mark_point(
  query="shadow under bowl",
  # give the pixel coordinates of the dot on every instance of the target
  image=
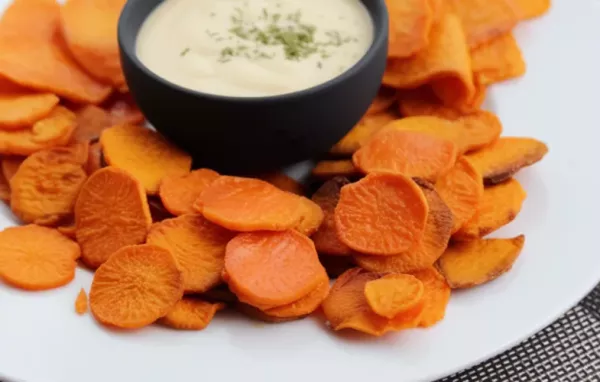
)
(238, 135)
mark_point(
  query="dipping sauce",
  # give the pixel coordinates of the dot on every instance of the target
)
(254, 48)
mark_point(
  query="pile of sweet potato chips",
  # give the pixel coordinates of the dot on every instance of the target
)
(403, 205)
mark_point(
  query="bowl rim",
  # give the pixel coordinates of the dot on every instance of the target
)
(380, 38)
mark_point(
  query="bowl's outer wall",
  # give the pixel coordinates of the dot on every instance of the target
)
(240, 136)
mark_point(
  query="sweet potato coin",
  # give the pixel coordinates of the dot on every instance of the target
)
(382, 214)
(198, 247)
(327, 197)
(405, 152)
(498, 60)
(433, 243)
(483, 20)
(461, 189)
(81, 303)
(179, 192)
(10, 165)
(36, 258)
(410, 22)
(305, 305)
(482, 129)
(111, 212)
(143, 153)
(393, 294)
(46, 185)
(468, 264)
(89, 28)
(50, 131)
(434, 126)
(368, 126)
(245, 204)
(136, 286)
(506, 156)
(272, 268)
(191, 314)
(436, 295)
(91, 121)
(21, 108)
(25, 47)
(499, 206)
(327, 169)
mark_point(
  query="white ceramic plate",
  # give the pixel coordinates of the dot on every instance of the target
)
(558, 101)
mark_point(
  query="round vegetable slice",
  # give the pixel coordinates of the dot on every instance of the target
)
(393, 294)
(179, 192)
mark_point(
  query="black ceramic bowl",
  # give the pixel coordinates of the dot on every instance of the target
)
(242, 135)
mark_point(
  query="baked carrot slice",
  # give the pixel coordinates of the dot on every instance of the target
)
(381, 214)
(191, 314)
(393, 294)
(245, 204)
(326, 239)
(409, 153)
(179, 192)
(36, 258)
(272, 268)
(136, 286)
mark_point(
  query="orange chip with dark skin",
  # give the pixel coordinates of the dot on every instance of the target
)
(191, 314)
(81, 303)
(368, 126)
(24, 47)
(326, 239)
(468, 264)
(144, 153)
(21, 108)
(393, 294)
(272, 268)
(36, 258)
(135, 287)
(198, 247)
(498, 60)
(179, 192)
(432, 245)
(91, 121)
(436, 295)
(528, 9)
(410, 22)
(327, 169)
(245, 204)
(10, 165)
(405, 152)
(111, 212)
(381, 214)
(506, 156)
(484, 20)
(89, 28)
(499, 206)
(47, 184)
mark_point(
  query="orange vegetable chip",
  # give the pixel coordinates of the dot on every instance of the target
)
(410, 22)
(346, 307)
(179, 192)
(20, 107)
(136, 286)
(312, 217)
(434, 242)
(46, 185)
(198, 247)
(436, 295)
(368, 126)
(284, 182)
(327, 197)
(336, 265)
(393, 294)
(384, 99)
(191, 314)
(94, 160)
(465, 265)
(36, 258)
(445, 64)
(29, 35)
(81, 303)
(272, 268)
(53, 130)
(91, 121)
(506, 156)
(143, 153)
(434, 126)
(90, 31)
(4, 188)
(409, 153)
(499, 206)
(482, 129)
(382, 214)
(498, 60)
(111, 212)
(461, 189)
(305, 305)
(483, 20)
(327, 169)
(528, 9)
(10, 165)
(245, 204)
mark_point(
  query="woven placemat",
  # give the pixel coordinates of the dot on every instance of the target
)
(566, 351)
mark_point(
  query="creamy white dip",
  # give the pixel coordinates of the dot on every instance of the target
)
(254, 48)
